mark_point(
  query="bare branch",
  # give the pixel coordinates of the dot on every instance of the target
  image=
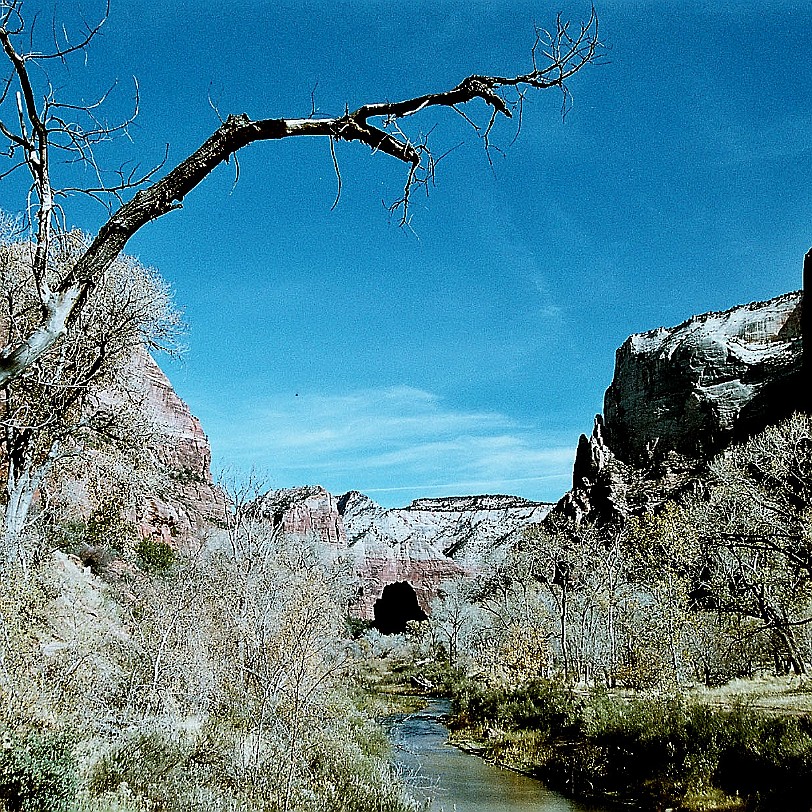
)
(565, 53)
(61, 53)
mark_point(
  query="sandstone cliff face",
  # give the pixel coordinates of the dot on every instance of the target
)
(679, 396)
(191, 500)
(424, 544)
(307, 512)
(696, 387)
(471, 528)
(182, 499)
(430, 541)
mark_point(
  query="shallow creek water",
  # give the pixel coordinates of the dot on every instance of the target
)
(449, 780)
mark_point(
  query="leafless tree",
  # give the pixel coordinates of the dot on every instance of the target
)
(37, 126)
(754, 526)
(82, 395)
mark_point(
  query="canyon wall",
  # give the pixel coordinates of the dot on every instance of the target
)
(679, 396)
(711, 380)
(424, 544)
(189, 501)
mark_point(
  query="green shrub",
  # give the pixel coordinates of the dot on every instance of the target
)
(158, 769)
(38, 772)
(652, 753)
(768, 760)
(349, 771)
(154, 555)
(104, 536)
(357, 626)
(541, 705)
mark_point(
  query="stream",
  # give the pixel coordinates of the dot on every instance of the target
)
(450, 780)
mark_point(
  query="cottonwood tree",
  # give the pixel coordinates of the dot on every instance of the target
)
(727, 572)
(39, 129)
(515, 638)
(453, 619)
(754, 526)
(83, 395)
(664, 556)
(559, 560)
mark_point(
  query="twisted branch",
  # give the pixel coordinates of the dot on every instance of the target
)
(375, 125)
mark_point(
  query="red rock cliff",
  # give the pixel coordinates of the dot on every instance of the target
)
(191, 500)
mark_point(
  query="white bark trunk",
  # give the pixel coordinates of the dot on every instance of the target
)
(16, 359)
(22, 482)
(20, 492)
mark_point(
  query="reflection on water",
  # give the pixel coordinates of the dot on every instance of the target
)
(449, 780)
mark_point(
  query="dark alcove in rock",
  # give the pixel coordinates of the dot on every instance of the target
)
(396, 607)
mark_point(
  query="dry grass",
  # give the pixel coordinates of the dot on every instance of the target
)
(780, 695)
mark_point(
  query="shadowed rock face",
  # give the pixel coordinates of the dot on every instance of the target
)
(713, 379)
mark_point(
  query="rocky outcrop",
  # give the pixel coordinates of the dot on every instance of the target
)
(191, 500)
(711, 380)
(606, 489)
(424, 544)
(679, 396)
(306, 512)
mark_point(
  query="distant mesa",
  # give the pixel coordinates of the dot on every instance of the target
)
(423, 545)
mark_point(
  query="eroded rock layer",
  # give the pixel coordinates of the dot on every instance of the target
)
(309, 511)
(191, 500)
(425, 544)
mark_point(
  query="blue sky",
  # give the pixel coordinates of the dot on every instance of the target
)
(332, 347)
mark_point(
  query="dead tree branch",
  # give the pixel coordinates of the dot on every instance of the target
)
(377, 125)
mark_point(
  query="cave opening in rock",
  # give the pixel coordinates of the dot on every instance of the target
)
(396, 607)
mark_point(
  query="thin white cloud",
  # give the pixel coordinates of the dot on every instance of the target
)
(393, 440)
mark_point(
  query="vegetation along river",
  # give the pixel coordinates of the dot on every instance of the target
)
(450, 780)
